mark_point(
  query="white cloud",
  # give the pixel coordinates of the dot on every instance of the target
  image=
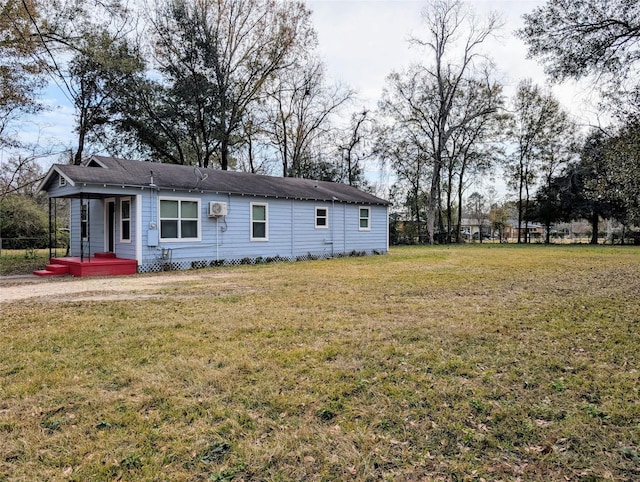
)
(363, 41)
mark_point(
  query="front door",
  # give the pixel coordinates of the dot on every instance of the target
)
(110, 226)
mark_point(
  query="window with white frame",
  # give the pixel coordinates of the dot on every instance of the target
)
(259, 222)
(322, 218)
(364, 219)
(125, 220)
(62, 181)
(179, 219)
(84, 220)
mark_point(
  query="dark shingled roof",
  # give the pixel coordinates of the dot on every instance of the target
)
(118, 172)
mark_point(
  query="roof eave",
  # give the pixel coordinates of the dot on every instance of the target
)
(53, 170)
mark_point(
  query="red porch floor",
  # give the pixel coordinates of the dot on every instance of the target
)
(101, 264)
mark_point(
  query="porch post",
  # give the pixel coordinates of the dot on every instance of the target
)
(80, 230)
(55, 226)
(50, 246)
(89, 225)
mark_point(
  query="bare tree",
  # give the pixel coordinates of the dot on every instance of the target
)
(542, 135)
(472, 149)
(403, 140)
(450, 29)
(300, 105)
(353, 151)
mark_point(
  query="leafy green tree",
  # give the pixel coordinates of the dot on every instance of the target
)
(623, 160)
(23, 223)
(72, 42)
(22, 214)
(21, 77)
(215, 60)
(499, 218)
(585, 189)
(554, 202)
(580, 38)
(100, 75)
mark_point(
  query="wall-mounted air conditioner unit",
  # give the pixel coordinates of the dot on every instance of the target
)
(217, 209)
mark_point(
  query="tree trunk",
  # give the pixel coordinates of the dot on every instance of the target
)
(547, 239)
(82, 132)
(416, 206)
(520, 188)
(458, 237)
(594, 227)
(433, 202)
(526, 213)
(224, 155)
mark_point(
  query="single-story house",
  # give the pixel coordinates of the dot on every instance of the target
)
(167, 216)
(530, 231)
(476, 228)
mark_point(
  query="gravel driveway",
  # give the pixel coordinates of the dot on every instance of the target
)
(56, 289)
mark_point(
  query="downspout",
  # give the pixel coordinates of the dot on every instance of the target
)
(387, 210)
(293, 229)
(333, 213)
(139, 200)
(344, 228)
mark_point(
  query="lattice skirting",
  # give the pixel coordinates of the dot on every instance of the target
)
(172, 265)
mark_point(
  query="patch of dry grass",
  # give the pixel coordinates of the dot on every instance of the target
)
(447, 363)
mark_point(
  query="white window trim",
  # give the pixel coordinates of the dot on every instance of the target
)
(326, 217)
(62, 181)
(266, 221)
(368, 228)
(199, 219)
(122, 219)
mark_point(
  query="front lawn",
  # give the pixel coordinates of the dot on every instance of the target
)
(483, 362)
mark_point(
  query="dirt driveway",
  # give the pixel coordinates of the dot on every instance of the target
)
(18, 288)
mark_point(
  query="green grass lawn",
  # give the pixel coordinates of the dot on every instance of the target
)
(445, 363)
(22, 261)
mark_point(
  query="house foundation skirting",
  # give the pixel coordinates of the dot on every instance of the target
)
(173, 265)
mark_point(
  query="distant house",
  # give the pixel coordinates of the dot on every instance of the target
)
(529, 231)
(476, 228)
(167, 216)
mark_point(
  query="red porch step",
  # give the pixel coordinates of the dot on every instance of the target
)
(100, 264)
(106, 255)
(53, 270)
